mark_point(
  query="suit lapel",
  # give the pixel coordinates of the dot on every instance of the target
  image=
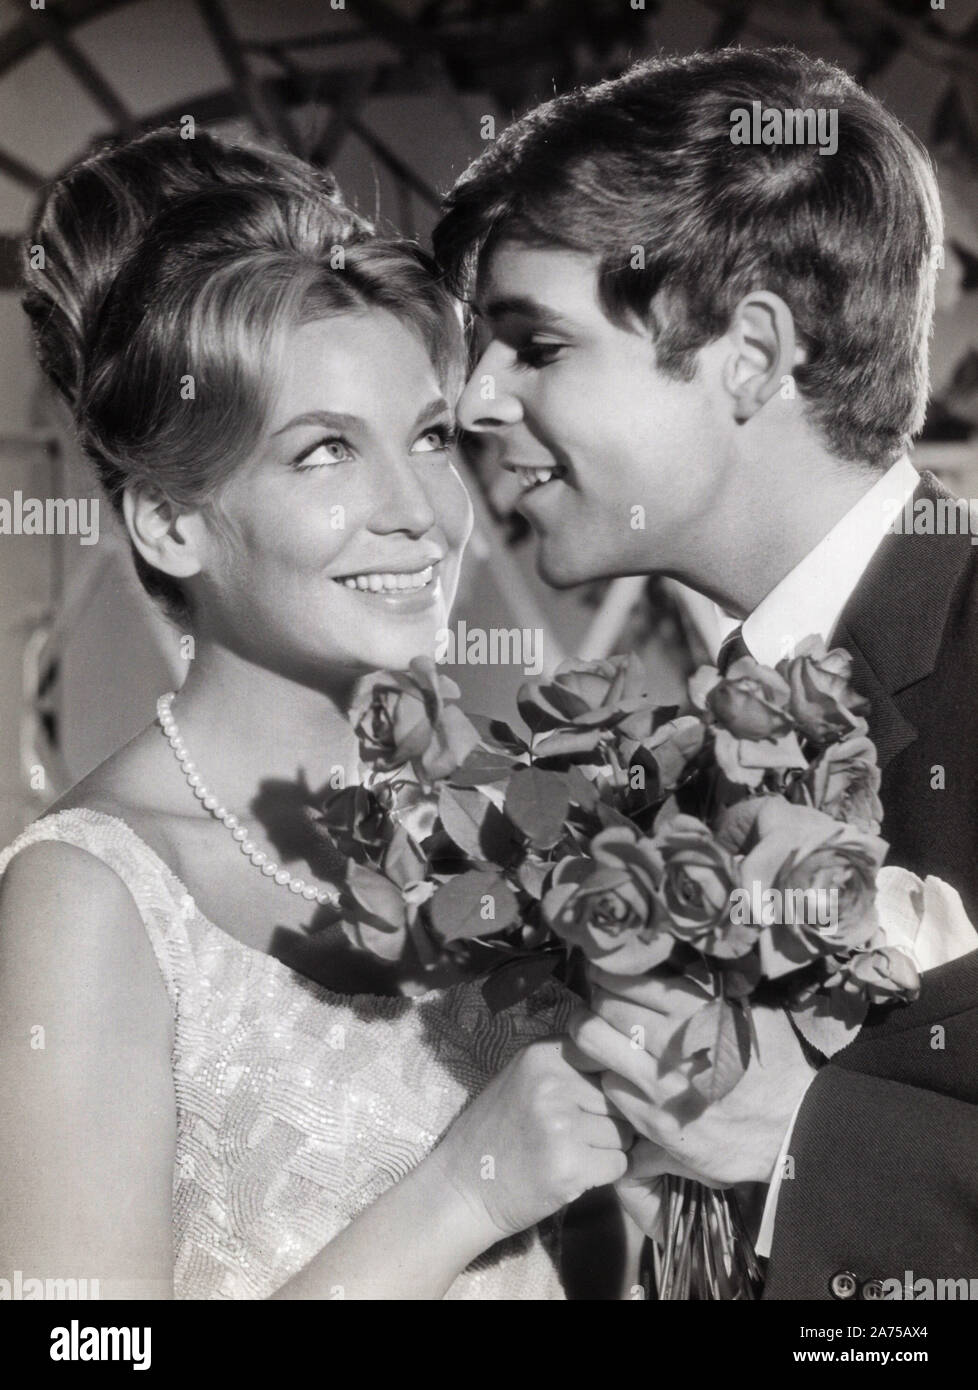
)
(894, 622)
(888, 728)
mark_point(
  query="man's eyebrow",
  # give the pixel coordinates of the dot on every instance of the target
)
(339, 420)
(523, 306)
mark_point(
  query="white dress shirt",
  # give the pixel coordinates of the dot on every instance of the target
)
(810, 599)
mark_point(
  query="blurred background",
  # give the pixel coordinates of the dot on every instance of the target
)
(392, 95)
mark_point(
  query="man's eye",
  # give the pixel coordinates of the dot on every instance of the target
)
(324, 451)
(538, 354)
(436, 440)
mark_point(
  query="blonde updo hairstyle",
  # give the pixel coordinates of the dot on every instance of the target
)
(168, 259)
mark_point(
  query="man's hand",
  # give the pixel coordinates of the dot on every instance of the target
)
(640, 1190)
(736, 1139)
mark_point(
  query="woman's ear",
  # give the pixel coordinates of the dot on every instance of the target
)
(168, 539)
(764, 352)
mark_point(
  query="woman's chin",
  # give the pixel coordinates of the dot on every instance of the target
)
(395, 643)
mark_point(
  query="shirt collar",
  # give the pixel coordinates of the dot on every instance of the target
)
(811, 597)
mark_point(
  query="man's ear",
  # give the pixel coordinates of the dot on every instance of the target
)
(168, 539)
(763, 351)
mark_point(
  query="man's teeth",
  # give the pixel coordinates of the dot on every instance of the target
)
(388, 583)
(532, 477)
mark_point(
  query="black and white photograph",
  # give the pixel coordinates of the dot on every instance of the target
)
(489, 620)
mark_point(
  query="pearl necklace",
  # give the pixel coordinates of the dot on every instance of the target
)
(239, 833)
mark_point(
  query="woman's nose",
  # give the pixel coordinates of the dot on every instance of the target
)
(488, 402)
(403, 503)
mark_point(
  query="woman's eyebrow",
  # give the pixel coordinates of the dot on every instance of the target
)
(432, 411)
(329, 419)
(339, 420)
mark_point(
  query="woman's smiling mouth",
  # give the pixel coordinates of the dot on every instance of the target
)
(389, 581)
(403, 591)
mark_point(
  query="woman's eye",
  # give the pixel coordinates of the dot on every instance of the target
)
(436, 440)
(537, 355)
(333, 450)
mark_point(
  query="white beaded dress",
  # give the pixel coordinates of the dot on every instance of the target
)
(298, 1107)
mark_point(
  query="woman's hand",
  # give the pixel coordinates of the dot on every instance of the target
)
(539, 1135)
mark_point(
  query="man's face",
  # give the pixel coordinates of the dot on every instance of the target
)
(624, 460)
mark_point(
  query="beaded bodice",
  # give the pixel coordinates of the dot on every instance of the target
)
(298, 1107)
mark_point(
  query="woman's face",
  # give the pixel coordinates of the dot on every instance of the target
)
(341, 537)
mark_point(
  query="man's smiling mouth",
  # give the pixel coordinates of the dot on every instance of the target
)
(531, 476)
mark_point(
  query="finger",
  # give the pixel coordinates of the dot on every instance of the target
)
(647, 1160)
(579, 1060)
(605, 1166)
(642, 1027)
(662, 1128)
(661, 991)
(648, 1163)
(599, 1041)
(644, 1205)
(589, 1097)
(607, 1132)
(641, 1107)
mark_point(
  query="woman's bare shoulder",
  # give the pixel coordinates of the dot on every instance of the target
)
(73, 942)
(46, 875)
(68, 910)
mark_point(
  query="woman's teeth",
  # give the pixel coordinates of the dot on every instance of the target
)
(534, 477)
(388, 583)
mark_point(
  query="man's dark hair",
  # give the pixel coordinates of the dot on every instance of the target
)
(850, 240)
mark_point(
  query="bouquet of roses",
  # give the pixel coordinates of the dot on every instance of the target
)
(738, 844)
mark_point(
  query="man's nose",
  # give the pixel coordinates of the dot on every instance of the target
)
(488, 401)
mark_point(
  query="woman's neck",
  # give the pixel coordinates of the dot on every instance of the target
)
(248, 728)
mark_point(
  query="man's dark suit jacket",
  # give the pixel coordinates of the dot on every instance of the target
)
(885, 1146)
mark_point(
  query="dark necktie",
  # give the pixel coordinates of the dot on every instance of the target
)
(732, 648)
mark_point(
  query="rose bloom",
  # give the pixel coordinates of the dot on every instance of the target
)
(796, 848)
(845, 782)
(698, 875)
(408, 721)
(606, 904)
(670, 749)
(822, 700)
(883, 974)
(586, 699)
(747, 761)
(750, 702)
(359, 815)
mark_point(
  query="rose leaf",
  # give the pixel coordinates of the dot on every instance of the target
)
(475, 824)
(537, 803)
(476, 903)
